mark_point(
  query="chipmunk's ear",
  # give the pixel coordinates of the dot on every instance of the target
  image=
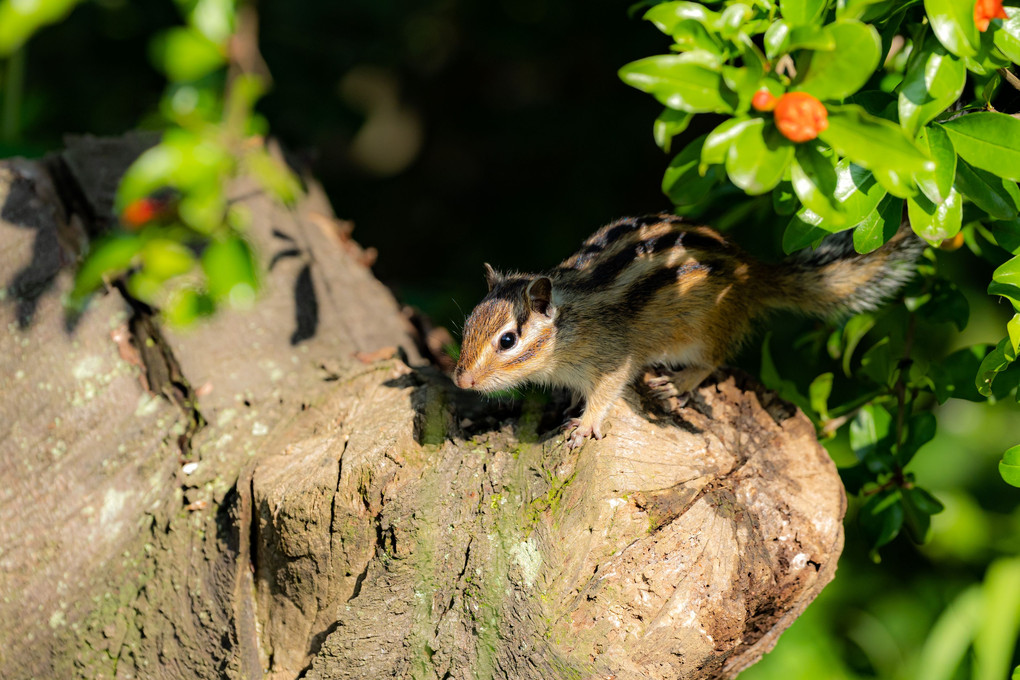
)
(540, 295)
(492, 277)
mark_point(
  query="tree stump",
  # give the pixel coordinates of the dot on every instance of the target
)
(269, 494)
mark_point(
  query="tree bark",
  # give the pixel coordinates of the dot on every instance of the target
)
(352, 514)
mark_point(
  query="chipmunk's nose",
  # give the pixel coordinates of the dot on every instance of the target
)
(462, 379)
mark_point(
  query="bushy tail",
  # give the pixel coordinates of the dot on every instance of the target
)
(835, 281)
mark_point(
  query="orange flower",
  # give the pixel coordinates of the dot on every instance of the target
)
(800, 117)
(985, 11)
(763, 100)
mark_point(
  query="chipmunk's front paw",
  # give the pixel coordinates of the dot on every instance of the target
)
(580, 433)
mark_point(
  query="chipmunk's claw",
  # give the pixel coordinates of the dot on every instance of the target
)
(580, 433)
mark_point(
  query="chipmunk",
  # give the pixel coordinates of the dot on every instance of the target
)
(656, 290)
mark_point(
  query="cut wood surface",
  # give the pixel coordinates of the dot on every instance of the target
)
(295, 491)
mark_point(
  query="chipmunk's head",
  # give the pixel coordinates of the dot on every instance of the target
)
(509, 336)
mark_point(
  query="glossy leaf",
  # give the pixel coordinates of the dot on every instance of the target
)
(814, 181)
(1009, 466)
(938, 182)
(877, 145)
(1006, 281)
(683, 183)
(758, 157)
(997, 361)
(935, 222)
(801, 12)
(917, 511)
(668, 125)
(988, 140)
(953, 23)
(880, 225)
(1007, 36)
(934, 80)
(718, 142)
(668, 15)
(842, 71)
(686, 82)
(802, 231)
(998, 197)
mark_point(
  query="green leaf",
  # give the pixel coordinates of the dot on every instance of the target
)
(935, 222)
(163, 259)
(758, 157)
(998, 197)
(668, 15)
(1013, 333)
(870, 432)
(997, 361)
(988, 140)
(230, 272)
(19, 20)
(109, 256)
(814, 181)
(1006, 235)
(878, 363)
(668, 125)
(937, 183)
(877, 145)
(183, 160)
(802, 231)
(718, 142)
(801, 12)
(1007, 36)
(954, 375)
(880, 519)
(853, 332)
(818, 394)
(859, 9)
(1006, 281)
(880, 225)
(920, 431)
(840, 72)
(917, 504)
(184, 54)
(784, 200)
(934, 80)
(953, 23)
(686, 82)
(683, 183)
(1009, 466)
(777, 39)
(187, 306)
(946, 304)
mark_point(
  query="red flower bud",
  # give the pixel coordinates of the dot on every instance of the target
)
(763, 100)
(985, 11)
(800, 117)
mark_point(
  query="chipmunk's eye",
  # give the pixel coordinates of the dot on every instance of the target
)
(507, 340)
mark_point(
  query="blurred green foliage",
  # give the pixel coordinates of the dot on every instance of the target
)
(498, 132)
